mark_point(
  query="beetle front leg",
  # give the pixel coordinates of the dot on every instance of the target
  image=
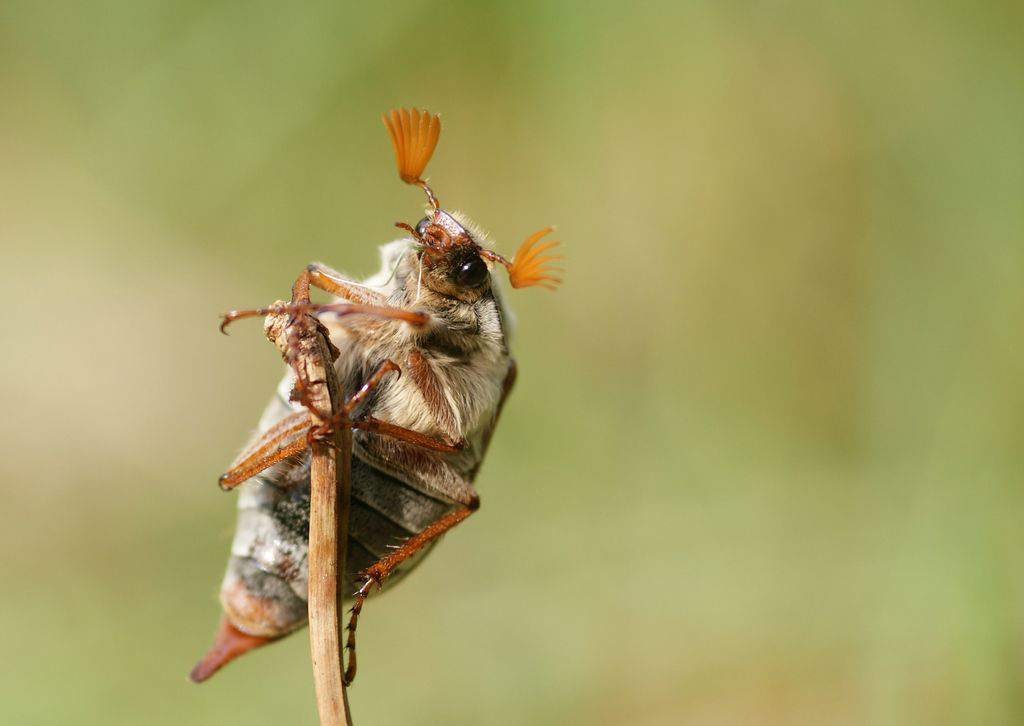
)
(329, 280)
(341, 309)
(361, 300)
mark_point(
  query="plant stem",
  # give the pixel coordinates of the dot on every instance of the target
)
(328, 534)
(330, 486)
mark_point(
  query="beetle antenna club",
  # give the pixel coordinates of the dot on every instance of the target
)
(414, 136)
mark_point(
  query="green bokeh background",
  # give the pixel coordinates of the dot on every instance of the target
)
(763, 462)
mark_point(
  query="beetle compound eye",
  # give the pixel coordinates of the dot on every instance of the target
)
(421, 226)
(471, 273)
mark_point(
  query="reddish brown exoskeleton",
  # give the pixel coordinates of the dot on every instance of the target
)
(424, 366)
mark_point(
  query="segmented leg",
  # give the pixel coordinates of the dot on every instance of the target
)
(308, 308)
(362, 299)
(369, 423)
(376, 573)
(329, 280)
(367, 388)
(290, 436)
(283, 439)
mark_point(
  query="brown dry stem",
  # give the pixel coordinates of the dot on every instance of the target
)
(310, 355)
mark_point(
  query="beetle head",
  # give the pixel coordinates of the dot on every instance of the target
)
(451, 258)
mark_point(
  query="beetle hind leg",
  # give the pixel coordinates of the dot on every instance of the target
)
(374, 575)
(287, 438)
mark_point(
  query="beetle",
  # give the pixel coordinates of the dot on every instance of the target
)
(422, 358)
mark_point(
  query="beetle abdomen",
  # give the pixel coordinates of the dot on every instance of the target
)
(266, 584)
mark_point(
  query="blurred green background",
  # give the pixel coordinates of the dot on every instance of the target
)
(763, 463)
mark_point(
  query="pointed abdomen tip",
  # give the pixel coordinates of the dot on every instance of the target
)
(228, 644)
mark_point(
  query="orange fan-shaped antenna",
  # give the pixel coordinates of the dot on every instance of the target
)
(414, 136)
(531, 266)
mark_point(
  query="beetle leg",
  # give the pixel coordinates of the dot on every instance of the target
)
(362, 300)
(376, 572)
(299, 308)
(369, 423)
(329, 280)
(286, 439)
(283, 439)
(357, 398)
